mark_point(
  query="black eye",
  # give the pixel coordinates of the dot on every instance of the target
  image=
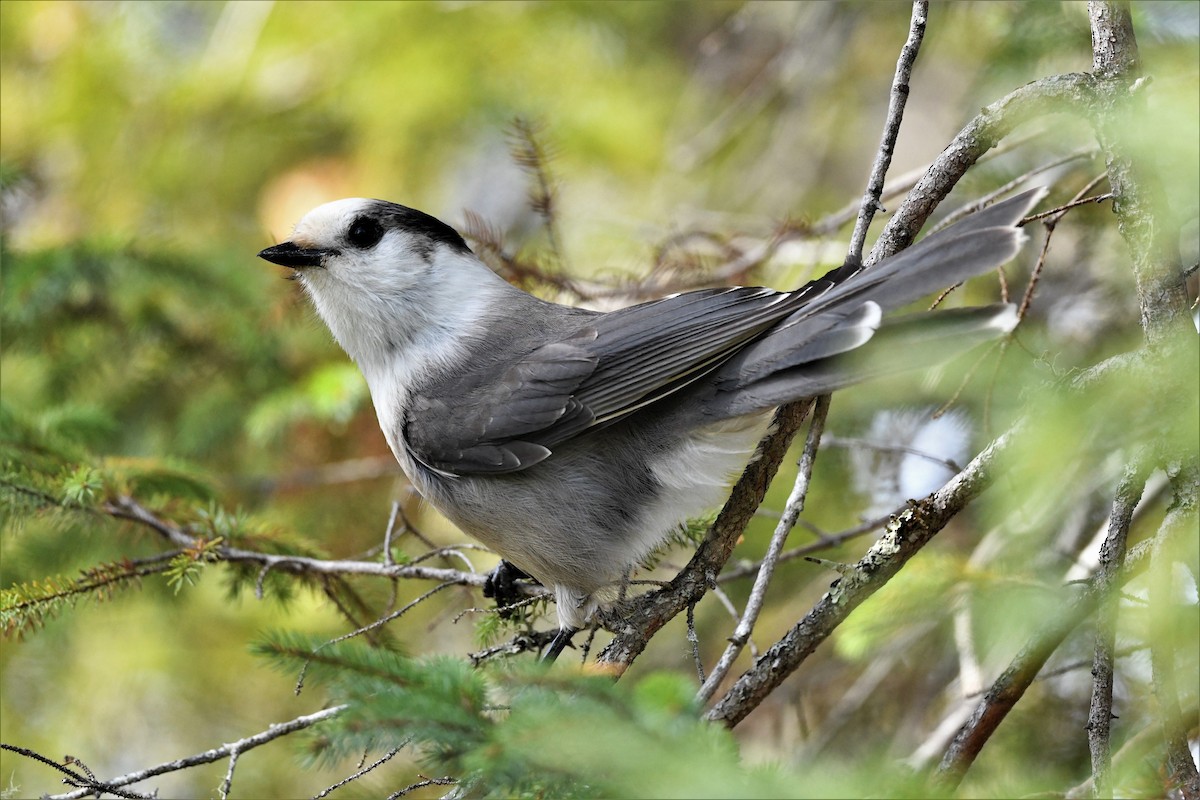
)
(364, 233)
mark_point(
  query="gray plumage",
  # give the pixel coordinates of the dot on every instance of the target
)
(571, 441)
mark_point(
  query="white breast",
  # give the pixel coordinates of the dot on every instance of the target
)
(696, 478)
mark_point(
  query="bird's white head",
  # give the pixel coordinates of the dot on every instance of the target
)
(385, 277)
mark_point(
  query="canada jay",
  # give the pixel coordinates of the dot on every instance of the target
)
(573, 442)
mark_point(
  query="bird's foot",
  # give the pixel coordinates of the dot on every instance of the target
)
(501, 585)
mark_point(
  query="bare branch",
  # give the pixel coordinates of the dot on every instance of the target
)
(1006, 690)
(905, 536)
(1079, 201)
(533, 641)
(891, 129)
(1114, 49)
(385, 619)
(389, 531)
(636, 620)
(208, 756)
(1143, 216)
(130, 509)
(758, 593)
(824, 542)
(1112, 556)
(999, 192)
(421, 784)
(88, 781)
(1072, 93)
(887, 447)
(388, 756)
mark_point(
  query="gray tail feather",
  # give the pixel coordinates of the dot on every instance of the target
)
(985, 239)
(841, 318)
(902, 343)
(791, 343)
(810, 352)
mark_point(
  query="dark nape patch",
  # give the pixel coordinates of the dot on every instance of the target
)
(394, 215)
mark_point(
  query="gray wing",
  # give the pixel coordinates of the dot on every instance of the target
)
(606, 368)
(603, 367)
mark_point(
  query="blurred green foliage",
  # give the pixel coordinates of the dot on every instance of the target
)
(149, 150)
(520, 731)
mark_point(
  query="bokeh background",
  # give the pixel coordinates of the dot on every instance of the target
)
(148, 150)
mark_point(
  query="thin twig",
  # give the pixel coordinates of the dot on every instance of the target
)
(1047, 674)
(447, 781)
(891, 129)
(379, 623)
(987, 199)
(908, 532)
(209, 756)
(795, 504)
(130, 509)
(454, 550)
(360, 772)
(1023, 309)
(825, 542)
(1078, 201)
(89, 782)
(389, 617)
(1050, 221)
(726, 603)
(883, 447)
(227, 783)
(694, 640)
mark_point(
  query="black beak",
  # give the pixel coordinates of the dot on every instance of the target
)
(290, 254)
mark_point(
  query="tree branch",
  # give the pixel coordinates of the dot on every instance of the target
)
(359, 772)
(207, 757)
(1012, 683)
(870, 203)
(128, 508)
(636, 620)
(1107, 579)
(1138, 202)
(891, 130)
(1073, 93)
(824, 541)
(93, 786)
(758, 593)
(1140, 751)
(906, 535)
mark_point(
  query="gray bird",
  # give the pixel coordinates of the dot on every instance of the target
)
(573, 442)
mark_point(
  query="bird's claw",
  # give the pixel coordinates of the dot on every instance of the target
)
(501, 585)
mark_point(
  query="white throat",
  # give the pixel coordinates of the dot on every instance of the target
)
(401, 331)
